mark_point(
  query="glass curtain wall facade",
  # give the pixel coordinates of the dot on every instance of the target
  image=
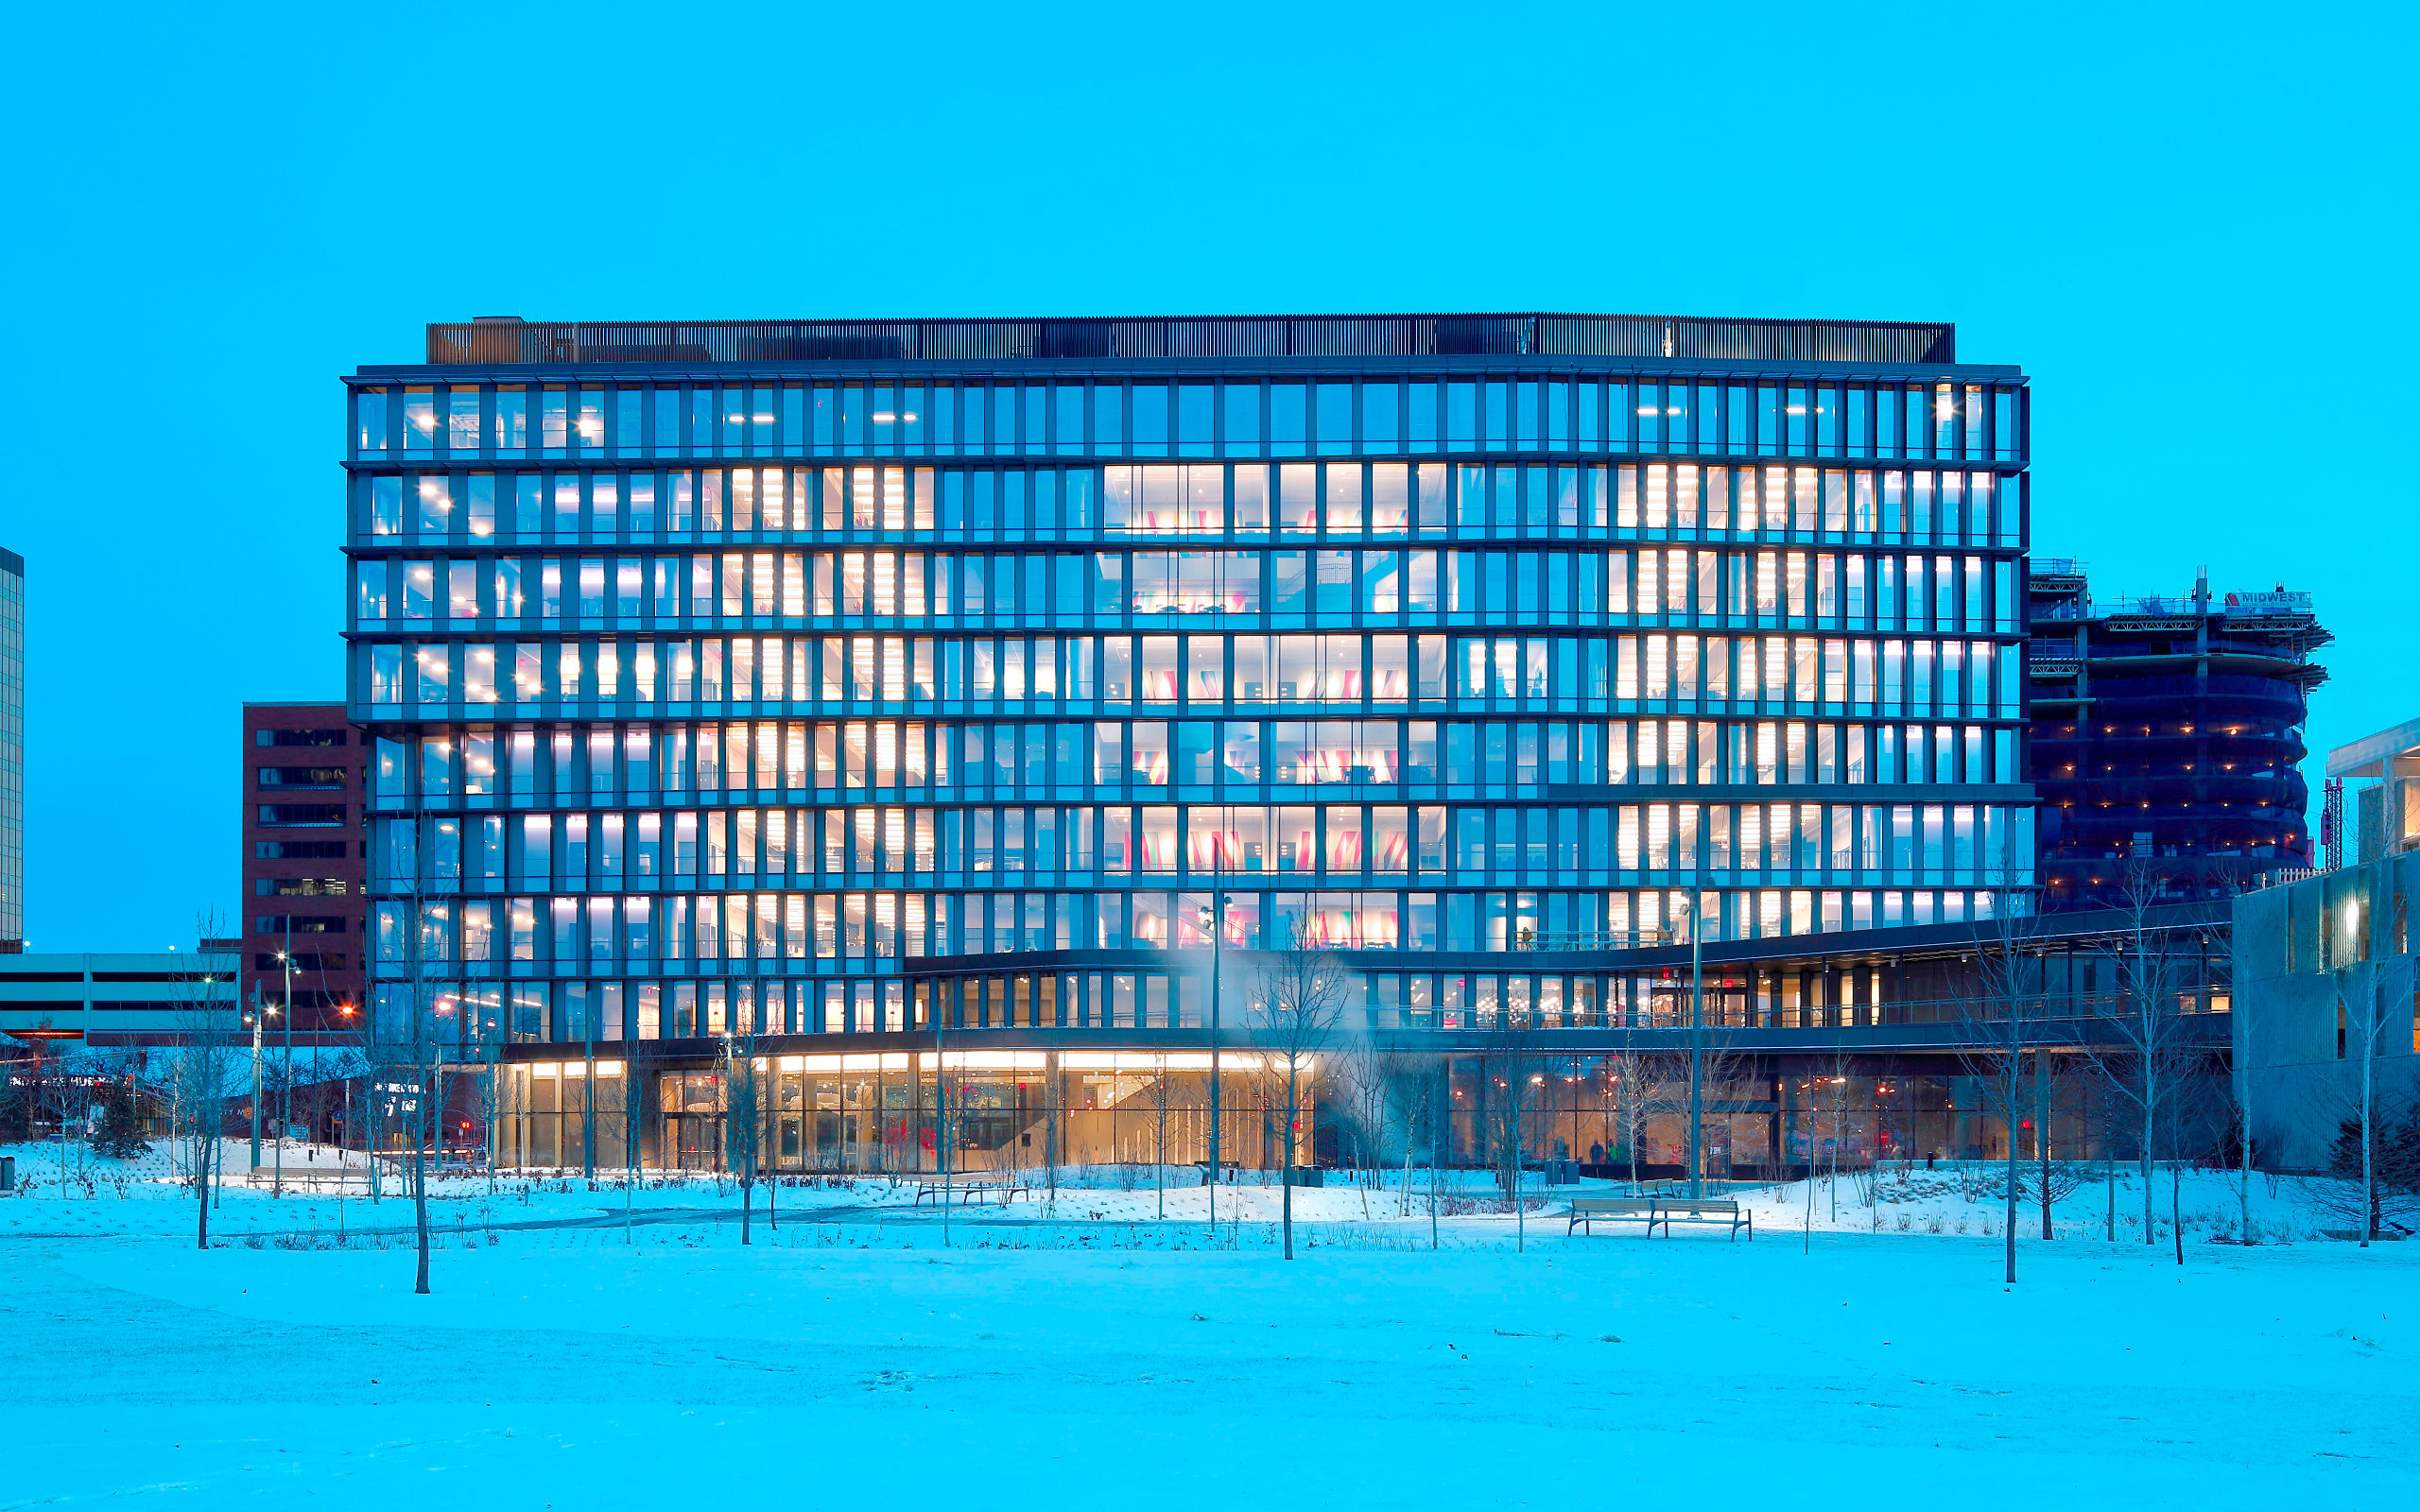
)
(837, 698)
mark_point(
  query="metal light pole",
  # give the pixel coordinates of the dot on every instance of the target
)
(588, 1099)
(285, 1095)
(256, 1075)
(940, 1100)
(1216, 912)
(1697, 1059)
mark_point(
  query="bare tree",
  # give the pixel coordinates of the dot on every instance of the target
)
(1836, 1092)
(204, 1070)
(1424, 1096)
(1051, 1153)
(1999, 1021)
(2146, 1054)
(1363, 1074)
(743, 1120)
(1300, 994)
(53, 1092)
(408, 1042)
(488, 1090)
(1409, 1097)
(2053, 1181)
(1648, 1085)
(633, 1127)
(945, 1129)
(2239, 1107)
(2104, 1111)
(1159, 1130)
(2042, 1132)
(1721, 1067)
(1513, 1065)
(2372, 996)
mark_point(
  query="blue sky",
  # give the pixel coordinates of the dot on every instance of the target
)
(2192, 225)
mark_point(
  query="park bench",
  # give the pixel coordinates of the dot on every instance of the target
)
(1587, 1210)
(965, 1192)
(310, 1179)
(1722, 1212)
(1229, 1171)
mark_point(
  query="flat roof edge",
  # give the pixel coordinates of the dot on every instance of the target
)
(2351, 759)
(494, 340)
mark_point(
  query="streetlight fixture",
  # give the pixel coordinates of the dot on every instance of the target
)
(344, 1010)
(285, 1095)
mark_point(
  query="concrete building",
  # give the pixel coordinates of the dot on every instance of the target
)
(2380, 775)
(2325, 968)
(118, 1001)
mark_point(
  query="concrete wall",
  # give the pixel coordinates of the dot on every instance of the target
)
(2299, 949)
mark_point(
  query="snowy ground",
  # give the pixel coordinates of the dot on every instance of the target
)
(850, 1355)
(96, 1197)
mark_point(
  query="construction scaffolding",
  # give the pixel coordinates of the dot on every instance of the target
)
(2166, 738)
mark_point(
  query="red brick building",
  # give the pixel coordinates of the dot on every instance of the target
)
(304, 863)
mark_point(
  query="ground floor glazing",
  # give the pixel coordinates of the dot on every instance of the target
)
(1005, 1111)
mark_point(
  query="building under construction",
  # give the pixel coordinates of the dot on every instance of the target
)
(2166, 738)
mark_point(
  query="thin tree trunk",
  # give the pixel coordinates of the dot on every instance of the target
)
(1370, 1163)
(201, 1185)
(1630, 1137)
(2042, 1129)
(1520, 1218)
(2150, 1192)
(1436, 1162)
(1806, 1229)
(2176, 1207)
(2013, 1071)
(2244, 1119)
(420, 1195)
(1286, 1173)
(2369, 1134)
(2109, 1173)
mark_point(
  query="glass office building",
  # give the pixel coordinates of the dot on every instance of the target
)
(830, 681)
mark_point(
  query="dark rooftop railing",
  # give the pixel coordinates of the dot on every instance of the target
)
(498, 340)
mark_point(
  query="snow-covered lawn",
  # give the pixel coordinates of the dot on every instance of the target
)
(850, 1356)
(96, 1197)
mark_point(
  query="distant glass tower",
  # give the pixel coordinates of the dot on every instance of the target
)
(13, 750)
(839, 682)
